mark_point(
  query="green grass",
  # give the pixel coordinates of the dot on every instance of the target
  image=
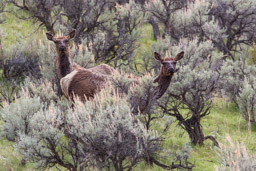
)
(15, 30)
(9, 159)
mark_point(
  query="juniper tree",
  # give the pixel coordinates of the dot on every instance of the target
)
(110, 29)
(117, 40)
(238, 18)
(86, 16)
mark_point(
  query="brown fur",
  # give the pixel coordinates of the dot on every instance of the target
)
(85, 83)
(74, 79)
(164, 78)
(167, 71)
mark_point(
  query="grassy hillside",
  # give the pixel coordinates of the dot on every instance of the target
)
(224, 118)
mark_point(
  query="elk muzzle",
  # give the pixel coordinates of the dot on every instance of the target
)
(171, 70)
(62, 48)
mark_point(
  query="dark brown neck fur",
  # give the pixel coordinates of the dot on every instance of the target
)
(64, 66)
(163, 84)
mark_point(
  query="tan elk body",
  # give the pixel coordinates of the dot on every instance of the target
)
(74, 79)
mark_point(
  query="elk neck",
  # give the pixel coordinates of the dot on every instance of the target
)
(64, 66)
(163, 84)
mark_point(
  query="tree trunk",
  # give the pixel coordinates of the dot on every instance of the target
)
(195, 131)
(155, 27)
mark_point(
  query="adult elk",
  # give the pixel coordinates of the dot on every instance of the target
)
(85, 83)
(74, 79)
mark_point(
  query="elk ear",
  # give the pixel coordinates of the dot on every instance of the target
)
(158, 57)
(49, 36)
(179, 56)
(72, 34)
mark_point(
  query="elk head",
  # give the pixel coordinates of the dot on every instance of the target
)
(62, 43)
(168, 67)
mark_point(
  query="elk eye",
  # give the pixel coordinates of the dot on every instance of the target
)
(174, 63)
(65, 41)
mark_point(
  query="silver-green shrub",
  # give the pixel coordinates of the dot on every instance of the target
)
(229, 24)
(42, 89)
(2, 7)
(17, 115)
(46, 145)
(141, 92)
(108, 132)
(246, 100)
(235, 156)
(34, 96)
(102, 133)
(233, 75)
(21, 61)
